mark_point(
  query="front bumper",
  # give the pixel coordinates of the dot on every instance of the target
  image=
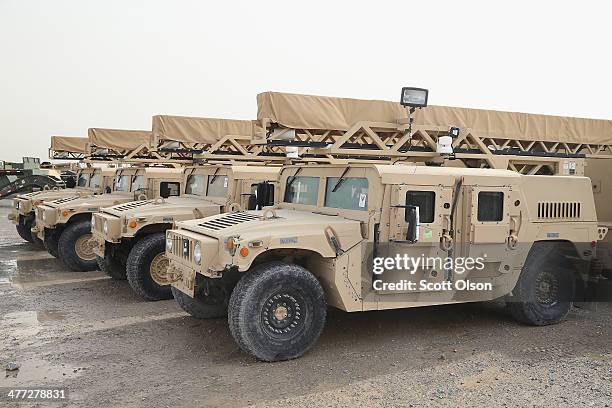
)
(99, 243)
(182, 268)
(46, 217)
(113, 230)
(39, 231)
(182, 277)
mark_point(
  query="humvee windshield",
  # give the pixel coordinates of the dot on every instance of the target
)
(302, 190)
(195, 184)
(123, 183)
(137, 183)
(96, 180)
(350, 193)
(217, 186)
(83, 180)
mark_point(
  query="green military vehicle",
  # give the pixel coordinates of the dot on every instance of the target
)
(65, 224)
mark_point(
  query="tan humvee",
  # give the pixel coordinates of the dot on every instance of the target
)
(132, 236)
(90, 181)
(334, 225)
(65, 224)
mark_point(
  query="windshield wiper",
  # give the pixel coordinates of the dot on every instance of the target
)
(341, 179)
(214, 176)
(290, 182)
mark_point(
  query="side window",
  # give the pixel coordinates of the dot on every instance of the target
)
(490, 206)
(426, 201)
(351, 193)
(173, 188)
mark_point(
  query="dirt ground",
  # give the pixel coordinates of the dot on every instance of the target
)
(93, 336)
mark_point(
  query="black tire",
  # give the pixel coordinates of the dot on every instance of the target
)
(139, 265)
(544, 292)
(24, 229)
(51, 241)
(268, 292)
(111, 266)
(66, 247)
(202, 307)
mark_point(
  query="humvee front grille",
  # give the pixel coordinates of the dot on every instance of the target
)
(228, 220)
(182, 247)
(558, 210)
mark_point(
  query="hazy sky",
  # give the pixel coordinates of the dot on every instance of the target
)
(67, 65)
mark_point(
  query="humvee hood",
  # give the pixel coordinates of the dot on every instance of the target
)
(104, 200)
(291, 228)
(167, 207)
(51, 194)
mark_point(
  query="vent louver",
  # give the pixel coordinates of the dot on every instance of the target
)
(559, 210)
(228, 220)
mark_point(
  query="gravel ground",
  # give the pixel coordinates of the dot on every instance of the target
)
(93, 336)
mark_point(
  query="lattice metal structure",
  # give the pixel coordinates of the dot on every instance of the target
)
(68, 148)
(282, 124)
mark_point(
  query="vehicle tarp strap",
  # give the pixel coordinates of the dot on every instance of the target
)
(118, 139)
(199, 130)
(69, 144)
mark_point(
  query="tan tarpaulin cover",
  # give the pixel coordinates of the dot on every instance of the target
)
(69, 144)
(524, 126)
(118, 139)
(198, 130)
(321, 112)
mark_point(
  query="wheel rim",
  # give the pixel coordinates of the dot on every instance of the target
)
(547, 289)
(159, 269)
(84, 247)
(283, 315)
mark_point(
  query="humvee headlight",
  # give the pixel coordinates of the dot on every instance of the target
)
(93, 222)
(414, 97)
(197, 253)
(17, 205)
(168, 244)
(105, 227)
(44, 215)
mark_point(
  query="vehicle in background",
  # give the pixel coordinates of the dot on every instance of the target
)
(64, 224)
(90, 181)
(132, 236)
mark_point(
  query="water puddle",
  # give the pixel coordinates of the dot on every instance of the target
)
(34, 372)
(31, 273)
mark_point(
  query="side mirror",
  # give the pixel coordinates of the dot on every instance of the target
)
(164, 190)
(412, 234)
